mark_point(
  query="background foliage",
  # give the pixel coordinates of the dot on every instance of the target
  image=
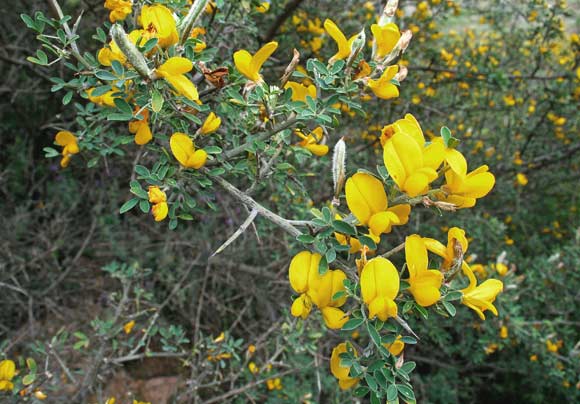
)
(503, 76)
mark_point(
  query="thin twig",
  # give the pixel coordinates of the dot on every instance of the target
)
(237, 233)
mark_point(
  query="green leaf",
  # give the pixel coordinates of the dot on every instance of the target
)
(157, 101)
(374, 334)
(360, 391)
(49, 152)
(105, 75)
(453, 295)
(29, 22)
(127, 206)
(330, 255)
(445, 134)
(352, 324)
(122, 105)
(305, 238)
(326, 214)
(213, 149)
(408, 367)
(338, 295)
(409, 340)
(143, 171)
(344, 227)
(31, 364)
(392, 392)
(406, 392)
(144, 205)
(375, 399)
(29, 379)
(323, 266)
(369, 242)
(371, 382)
(450, 308)
(67, 98)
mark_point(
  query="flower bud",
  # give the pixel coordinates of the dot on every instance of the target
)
(388, 12)
(339, 167)
(402, 74)
(130, 51)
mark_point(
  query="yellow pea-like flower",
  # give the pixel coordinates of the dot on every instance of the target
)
(386, 38)
(344, 45)
(301, 91)
(69, 144)
(7, 372)
(396, 347)
(480, 297)
(409, 164)
(107, 99)
(464, 189)
(454, 235)
(301, 306)
(424, 283)
(141, 129)
(184, 151)
(341, 372)
(263, 7)
(382, 87)
(160, 208)
(367, 200)
(334, 318)
(311, 142)
(120, 9)
(250, 65)
(173, 71)
(379, 283)
(303, 271)
(158, 22)
(211, 124)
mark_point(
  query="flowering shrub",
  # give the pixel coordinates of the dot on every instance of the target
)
(203, 113)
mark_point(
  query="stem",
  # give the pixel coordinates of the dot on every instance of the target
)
(190, 19)
(73, 45)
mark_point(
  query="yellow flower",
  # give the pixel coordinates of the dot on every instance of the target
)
(128, 327)
(274, 384)
(480, 298)
(382, 87)
(120, 9)
(7, 372)
(424, 283)
(251, 349)
(38, 394)
(379, 283)
(367, 200)
(522, 179)
(503, 332)
(300, 91)
(501, 268)
(344, 45)
(69, 144)
(253, 368)
(455, 235)
(105, 99)
(311, 142)
(263, 7)
(173, 71)
(184, 151)
(159, 200)
(316, 289)
(158, 22)
(553, 347)
(112, 52)
(141, 402)
(386, 37)
(141, 129)
(464, 189)
(111, 400)
(249, 65)
(534, 358)
(412, 166)
(341, 372)
(301, 306)
(211, 124)
(396, 347)
(491, 348)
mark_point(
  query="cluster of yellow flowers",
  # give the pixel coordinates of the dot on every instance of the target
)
(413, 164)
